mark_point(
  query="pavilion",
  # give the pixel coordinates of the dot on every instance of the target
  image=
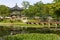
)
(16, 11)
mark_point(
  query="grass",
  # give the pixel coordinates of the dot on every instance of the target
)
(21, 24)
(7, 22)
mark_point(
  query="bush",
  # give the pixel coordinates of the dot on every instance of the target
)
(33, 37)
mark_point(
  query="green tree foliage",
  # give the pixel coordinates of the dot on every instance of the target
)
(4, 10)
(33, 37)
(25, 4)
(56, 9)
(57, 12)
(43, 10)
(34, 10)
(56, 0)
(38, 9)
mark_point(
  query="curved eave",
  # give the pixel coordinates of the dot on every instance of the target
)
(19, 9)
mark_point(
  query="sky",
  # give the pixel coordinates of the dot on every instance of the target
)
(12, 3)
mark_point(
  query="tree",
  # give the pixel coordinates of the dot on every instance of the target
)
(43, 10)
(56, 9)
(57, 12)
(4, 10)
(25, 4)
(39, 8)
(39, 3)
(56, 0)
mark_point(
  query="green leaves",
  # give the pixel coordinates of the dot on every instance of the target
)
(4, 10)
(40, 9)
(56, 1)
(25, 4)
(33, 37)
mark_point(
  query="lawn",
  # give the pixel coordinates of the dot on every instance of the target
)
(19, 23)
(22, 24)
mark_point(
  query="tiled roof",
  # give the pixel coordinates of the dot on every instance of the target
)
(16, 8)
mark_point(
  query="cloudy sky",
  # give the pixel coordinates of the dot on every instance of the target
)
(11, 3)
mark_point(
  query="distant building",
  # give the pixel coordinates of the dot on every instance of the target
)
(16, 13)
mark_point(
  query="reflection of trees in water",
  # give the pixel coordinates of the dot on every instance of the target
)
(22, 30)
(33, 30)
